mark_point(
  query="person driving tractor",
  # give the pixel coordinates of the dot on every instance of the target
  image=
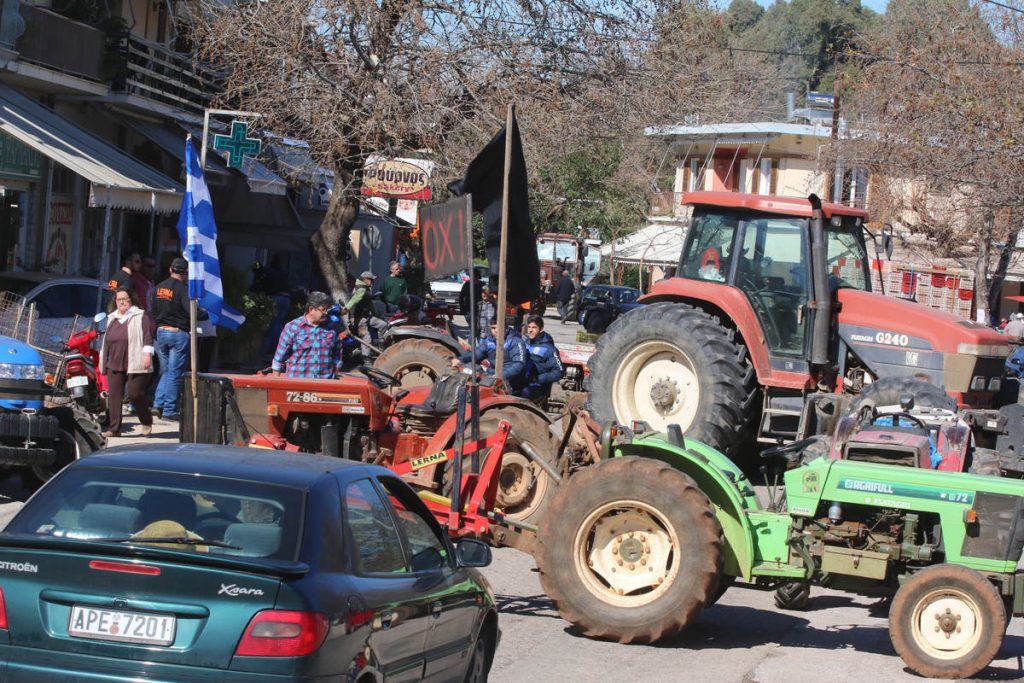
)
(309, 347)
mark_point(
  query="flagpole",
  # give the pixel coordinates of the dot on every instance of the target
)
(474, 386)
(503, 253)
(193, 308)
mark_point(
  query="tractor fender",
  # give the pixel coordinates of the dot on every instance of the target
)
(446, 432)
(404, 332)
(721, 481)
(731, 306)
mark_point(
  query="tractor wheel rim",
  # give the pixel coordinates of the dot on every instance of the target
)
(627, 553)
(532, 494)
(657, 383)
(515, 480)
(947, 623)
(415, 375)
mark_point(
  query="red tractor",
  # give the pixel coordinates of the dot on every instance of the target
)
(771, 302)
(369, 417)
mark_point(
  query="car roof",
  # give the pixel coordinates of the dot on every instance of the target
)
(617, 288)
(298, 470)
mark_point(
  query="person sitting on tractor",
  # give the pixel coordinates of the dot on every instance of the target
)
(515, 356)
(309, 347)
(360, 307)
(544, 367)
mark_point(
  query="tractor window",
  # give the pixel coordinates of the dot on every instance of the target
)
(772, 271)
(847, 258)
(708, 247)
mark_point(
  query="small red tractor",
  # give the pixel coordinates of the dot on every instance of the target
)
(772, 301)
(369, 417)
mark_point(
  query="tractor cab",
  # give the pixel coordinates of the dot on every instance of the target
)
(767, 257)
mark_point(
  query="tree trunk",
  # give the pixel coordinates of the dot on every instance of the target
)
(1003, 264)
(981, 282)
(330, 240)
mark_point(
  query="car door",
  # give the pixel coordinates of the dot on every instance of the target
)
(388, 592)
(454, 600)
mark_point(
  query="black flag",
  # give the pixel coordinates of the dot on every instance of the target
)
(484, 179)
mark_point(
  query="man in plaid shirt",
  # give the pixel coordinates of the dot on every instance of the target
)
(307, 346)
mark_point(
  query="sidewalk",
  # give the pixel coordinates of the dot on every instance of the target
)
(164, 432)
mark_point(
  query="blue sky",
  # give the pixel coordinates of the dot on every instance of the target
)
(877, 5)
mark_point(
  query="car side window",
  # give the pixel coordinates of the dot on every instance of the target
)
(429, 552)
(376, 543)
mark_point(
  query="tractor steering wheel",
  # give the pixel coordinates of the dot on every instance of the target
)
(379, 377)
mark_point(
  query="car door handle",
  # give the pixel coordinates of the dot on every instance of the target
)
(435, 609)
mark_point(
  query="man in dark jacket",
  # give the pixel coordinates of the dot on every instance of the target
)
(564, 291)
(545, 367)
(171, 316)
(515, 356)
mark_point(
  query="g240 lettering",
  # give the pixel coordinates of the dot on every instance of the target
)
(892, 338)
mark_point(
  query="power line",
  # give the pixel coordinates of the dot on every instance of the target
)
(999, 4)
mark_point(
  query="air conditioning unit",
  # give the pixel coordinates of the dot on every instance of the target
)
(315, 198)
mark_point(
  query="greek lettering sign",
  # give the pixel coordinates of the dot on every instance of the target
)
(404, 178)
(18, 161)
(443, 232)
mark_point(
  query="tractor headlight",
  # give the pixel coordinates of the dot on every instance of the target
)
(14, 371)
(995, 384)
(978, 383)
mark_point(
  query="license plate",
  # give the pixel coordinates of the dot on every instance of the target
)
(125, 627)
(77, 381)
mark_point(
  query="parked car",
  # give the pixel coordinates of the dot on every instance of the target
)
(602, 304)
(448, 289)
(57, 299)
(197, 562)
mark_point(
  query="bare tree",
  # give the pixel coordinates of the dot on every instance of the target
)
(938, 105)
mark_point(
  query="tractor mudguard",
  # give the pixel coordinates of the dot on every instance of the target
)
(446, 432)
(723, 483)
(397, 334)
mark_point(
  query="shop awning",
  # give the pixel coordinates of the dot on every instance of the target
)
(658, 244)
(171, 139)
(129, 184)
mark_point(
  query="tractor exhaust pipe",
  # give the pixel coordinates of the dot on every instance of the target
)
(820, 305)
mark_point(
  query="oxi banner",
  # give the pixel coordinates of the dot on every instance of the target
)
(443, 231)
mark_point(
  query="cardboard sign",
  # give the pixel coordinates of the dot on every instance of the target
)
(443, 230)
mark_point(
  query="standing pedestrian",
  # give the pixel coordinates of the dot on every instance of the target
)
(130, 263)
(1015, 328)
(309, 347)
(564, 291)
(360, 307)
(126, 358)
(142, 280)
(170, 312)
(393, 287)
(486, 307)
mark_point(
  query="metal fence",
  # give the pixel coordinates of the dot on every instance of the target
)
(48, 336)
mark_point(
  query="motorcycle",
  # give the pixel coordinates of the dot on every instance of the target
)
(85, 383)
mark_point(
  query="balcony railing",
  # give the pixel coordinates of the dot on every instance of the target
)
(152, 71)
(61, 44)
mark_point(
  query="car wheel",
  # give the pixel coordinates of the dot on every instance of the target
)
(480, 663)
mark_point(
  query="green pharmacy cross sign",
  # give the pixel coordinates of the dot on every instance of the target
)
(238, 145)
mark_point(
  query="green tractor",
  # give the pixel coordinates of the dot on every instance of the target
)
(634, 548)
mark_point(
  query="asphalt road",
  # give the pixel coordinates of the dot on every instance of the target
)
(743, 638)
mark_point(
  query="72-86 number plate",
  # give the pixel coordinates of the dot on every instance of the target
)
(126, 627)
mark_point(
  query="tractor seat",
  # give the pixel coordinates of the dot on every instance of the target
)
(440, 401)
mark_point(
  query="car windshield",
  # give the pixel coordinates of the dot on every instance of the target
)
(167, 510)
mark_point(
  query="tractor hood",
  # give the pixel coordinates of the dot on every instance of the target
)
(902, 338)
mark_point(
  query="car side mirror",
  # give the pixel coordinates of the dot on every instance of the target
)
(472, 553)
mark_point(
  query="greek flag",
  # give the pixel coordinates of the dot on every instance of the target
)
(198, 232)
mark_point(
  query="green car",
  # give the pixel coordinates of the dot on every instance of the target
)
(205, 563)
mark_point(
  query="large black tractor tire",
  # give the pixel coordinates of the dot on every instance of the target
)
(672, 363)
(415, 362)
(947, 621)
(630, 550)
(524, 489)
(80, 434)
(888, 391)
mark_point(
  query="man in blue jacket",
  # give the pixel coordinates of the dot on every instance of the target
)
(545, 367)
(515, 356)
